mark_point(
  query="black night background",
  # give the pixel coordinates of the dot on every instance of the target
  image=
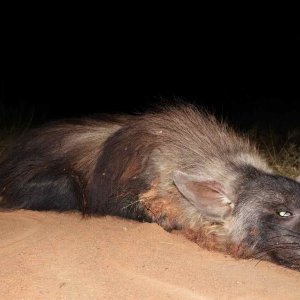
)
(249, 78)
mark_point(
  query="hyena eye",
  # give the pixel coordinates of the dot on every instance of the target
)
(284, 214)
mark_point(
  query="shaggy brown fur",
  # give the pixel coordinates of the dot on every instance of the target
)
(179, 167)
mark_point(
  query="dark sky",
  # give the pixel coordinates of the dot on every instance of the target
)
(247, 77)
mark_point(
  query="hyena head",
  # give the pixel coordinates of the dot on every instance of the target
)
(261, 213)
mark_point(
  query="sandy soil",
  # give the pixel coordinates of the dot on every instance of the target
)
(62, 256)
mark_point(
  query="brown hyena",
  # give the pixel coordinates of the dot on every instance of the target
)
(178, 167)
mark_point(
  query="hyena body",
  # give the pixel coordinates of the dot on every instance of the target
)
(180, 168)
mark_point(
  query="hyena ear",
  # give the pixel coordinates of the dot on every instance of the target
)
(207, 196)
(298, 179)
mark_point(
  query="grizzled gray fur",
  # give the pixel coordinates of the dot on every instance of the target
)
(178, 167)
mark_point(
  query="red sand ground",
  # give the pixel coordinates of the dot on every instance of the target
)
(62, 256)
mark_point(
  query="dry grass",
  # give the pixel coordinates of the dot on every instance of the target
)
(281, 149)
